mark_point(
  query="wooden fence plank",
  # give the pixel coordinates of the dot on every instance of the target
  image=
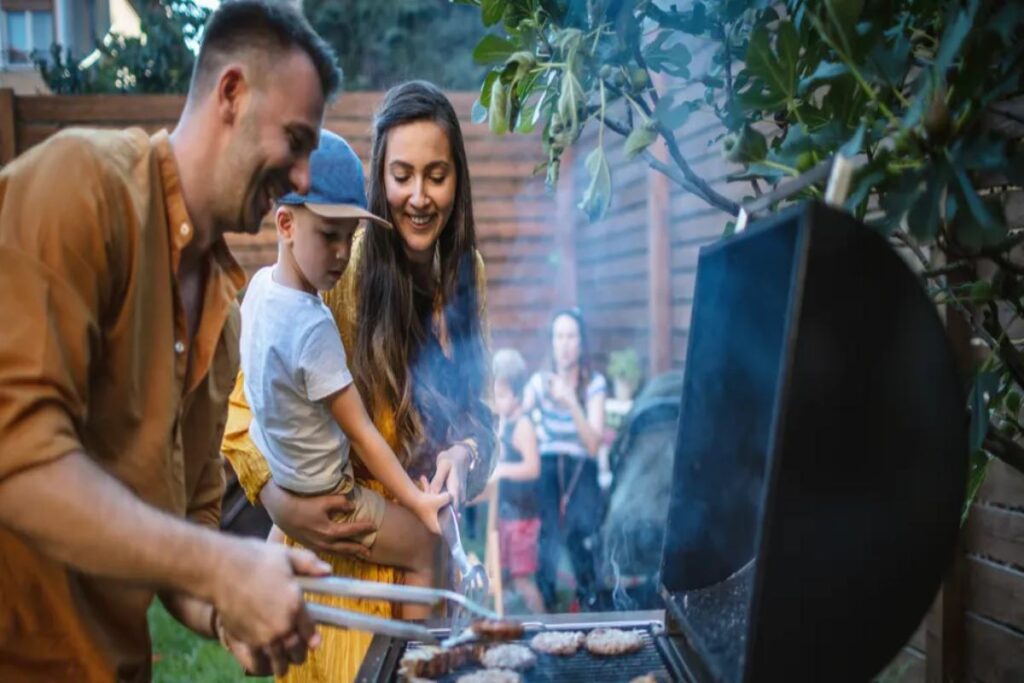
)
(8, 130)
(996, 592)
(995, 654)
(1003, 486)
(996, 533)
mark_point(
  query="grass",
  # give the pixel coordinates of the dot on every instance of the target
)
(180, 655)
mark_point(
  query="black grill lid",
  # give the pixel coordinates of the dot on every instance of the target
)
(821, 454)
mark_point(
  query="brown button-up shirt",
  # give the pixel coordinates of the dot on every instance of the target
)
(95, 356)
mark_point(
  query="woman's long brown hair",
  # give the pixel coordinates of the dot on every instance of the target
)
(398, 358)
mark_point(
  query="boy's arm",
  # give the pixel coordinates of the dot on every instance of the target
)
(524, 438)
(348, 409)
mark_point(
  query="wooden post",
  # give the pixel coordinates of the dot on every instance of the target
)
(945, 634)
(8, 133)
(565, 234)
(659, 260)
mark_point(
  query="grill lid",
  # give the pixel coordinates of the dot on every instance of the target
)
(820, 457)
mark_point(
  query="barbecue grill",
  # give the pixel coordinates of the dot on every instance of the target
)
(819, 469)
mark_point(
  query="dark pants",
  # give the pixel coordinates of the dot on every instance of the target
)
(577, 531)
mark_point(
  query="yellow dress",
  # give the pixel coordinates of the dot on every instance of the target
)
(341, 652)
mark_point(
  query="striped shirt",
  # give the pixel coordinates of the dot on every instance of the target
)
(556, 432)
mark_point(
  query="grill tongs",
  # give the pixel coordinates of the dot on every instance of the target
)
(371, 590)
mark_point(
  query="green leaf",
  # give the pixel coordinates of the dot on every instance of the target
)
(491, 49)
(749, 146)
(640, 139)
(597, 196)
(492, 11)
(895, 201)
(982, 215)
(923, 218)
(954, 36)
(853, 146)
(671, 60)
(1012, 403)
(985, 386)
(479, 112)
(826, 71)
(776, 71)
(673, 116)
(569, 99)
(977, 469)
(866, 181)
(497, 113)
(485, 89)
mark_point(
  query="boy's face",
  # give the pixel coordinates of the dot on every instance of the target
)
(320, 246)
(505, 400)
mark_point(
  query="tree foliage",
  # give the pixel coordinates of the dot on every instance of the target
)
(383, 43)
(925, 94)
(159, 60)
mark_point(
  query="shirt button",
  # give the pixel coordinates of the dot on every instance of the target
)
(184, 229)
(179, 347)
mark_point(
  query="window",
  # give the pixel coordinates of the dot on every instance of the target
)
(24, 32)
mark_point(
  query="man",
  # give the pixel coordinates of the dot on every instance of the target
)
(118, 349)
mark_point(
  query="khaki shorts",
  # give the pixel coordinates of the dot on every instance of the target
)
(367, 505)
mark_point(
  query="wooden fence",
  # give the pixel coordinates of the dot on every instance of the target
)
(632, 274)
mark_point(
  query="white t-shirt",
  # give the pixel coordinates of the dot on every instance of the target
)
(292, 358)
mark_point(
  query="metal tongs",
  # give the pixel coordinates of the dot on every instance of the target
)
(371, 590)
(474, 584)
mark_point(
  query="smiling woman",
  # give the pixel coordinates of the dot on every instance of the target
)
(410, 310)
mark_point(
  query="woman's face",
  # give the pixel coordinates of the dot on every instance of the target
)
(565, 342)
(419, 181)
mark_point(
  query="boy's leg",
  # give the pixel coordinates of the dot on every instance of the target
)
(402, 541)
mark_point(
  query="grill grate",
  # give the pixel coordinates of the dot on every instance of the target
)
(584, 667)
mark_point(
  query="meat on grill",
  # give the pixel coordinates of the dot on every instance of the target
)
(612, 642)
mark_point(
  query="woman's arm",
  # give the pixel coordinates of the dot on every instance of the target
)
(589, 424)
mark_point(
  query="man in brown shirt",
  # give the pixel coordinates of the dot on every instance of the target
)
(118, 349)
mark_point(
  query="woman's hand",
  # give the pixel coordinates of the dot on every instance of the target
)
(561, 393)
(310, 521)
(451, 472)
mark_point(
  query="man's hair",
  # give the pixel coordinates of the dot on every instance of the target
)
(508, 366)
(266, 28)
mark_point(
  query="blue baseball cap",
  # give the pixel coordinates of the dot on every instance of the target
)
(336, 184)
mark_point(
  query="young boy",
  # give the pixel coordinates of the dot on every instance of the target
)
(306, 411)
(516, 474)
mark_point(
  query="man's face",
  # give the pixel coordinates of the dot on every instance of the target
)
(268, 153)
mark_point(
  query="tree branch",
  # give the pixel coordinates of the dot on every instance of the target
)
(1004, 448)
(706, 192)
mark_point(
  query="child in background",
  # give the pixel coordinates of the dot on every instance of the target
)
(306, 410)
(516, 473)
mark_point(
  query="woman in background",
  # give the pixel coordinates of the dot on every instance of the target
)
(568, 402)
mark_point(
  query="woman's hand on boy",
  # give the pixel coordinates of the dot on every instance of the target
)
(310, 520)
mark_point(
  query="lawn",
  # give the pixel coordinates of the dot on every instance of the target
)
(179, 655)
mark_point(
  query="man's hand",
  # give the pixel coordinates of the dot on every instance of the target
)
(310, 521)
(258, 600)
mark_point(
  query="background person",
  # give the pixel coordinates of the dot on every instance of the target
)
(569, 402)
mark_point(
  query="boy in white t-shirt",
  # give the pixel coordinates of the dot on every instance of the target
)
(306, 410)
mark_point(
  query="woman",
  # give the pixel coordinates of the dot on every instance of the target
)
(410, 308)
(568, 402)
